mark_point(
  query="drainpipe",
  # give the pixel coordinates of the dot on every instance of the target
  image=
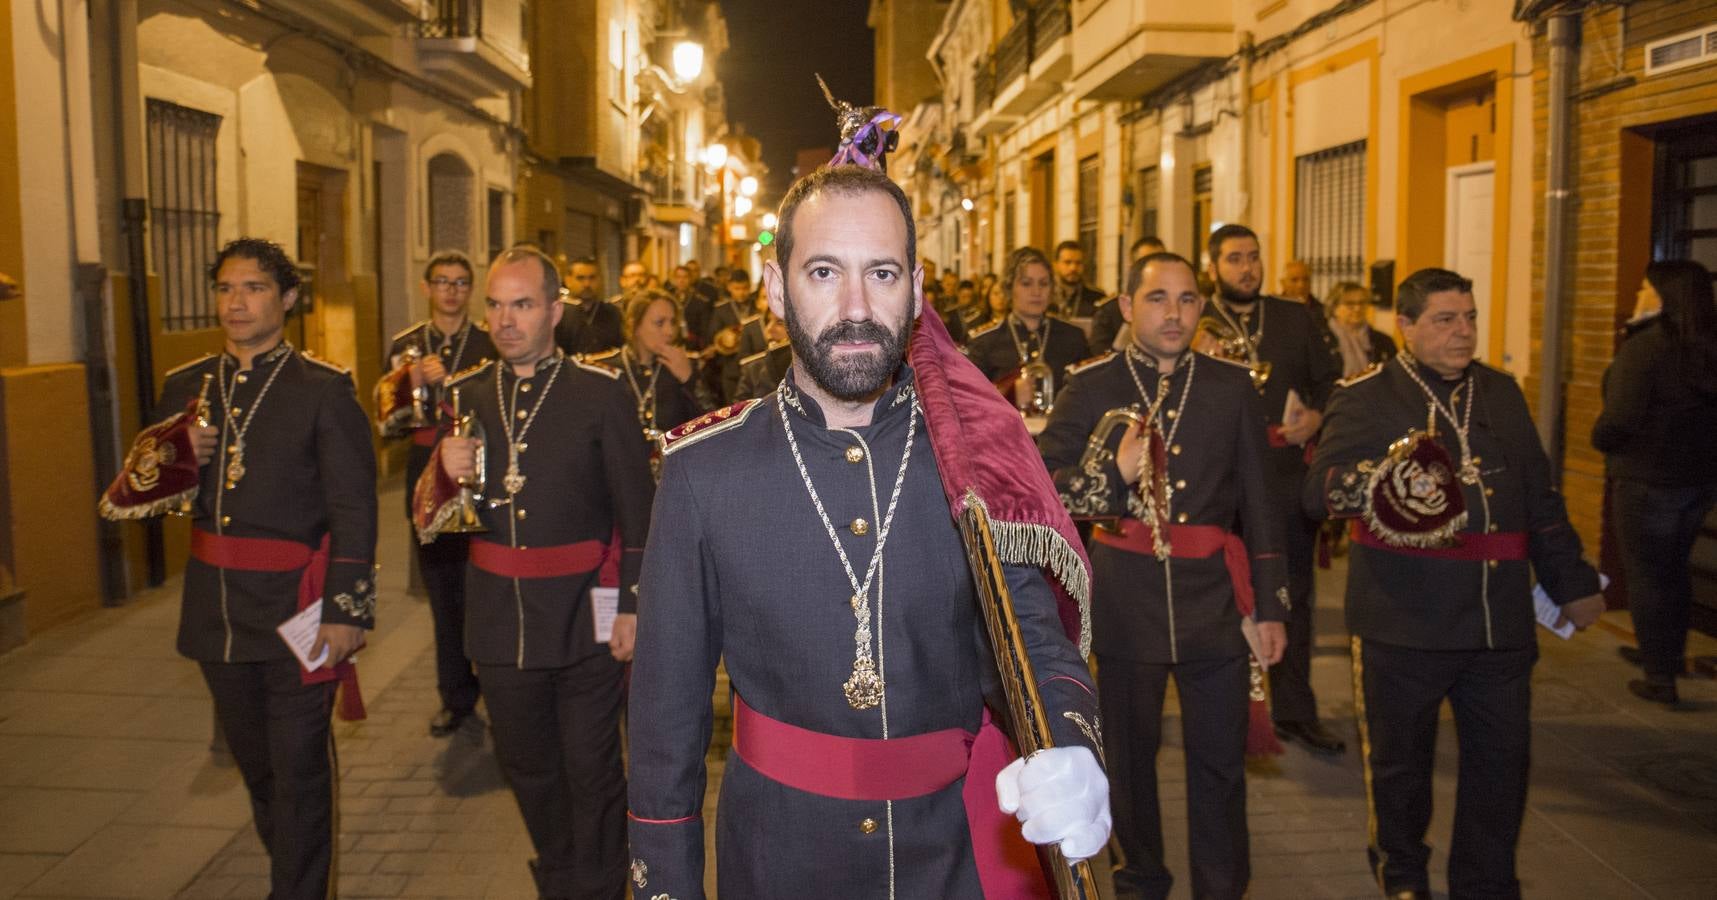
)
(1558, 202)
(1245, 210)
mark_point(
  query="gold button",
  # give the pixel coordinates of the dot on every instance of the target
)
(1175, 449)
(238, 410)
(231, 485)
(1180, 485)
(242, 378)
(232, 449)
(868, 826)
(1477, 460)
(1489, 491)
(1180, 518)
(1492, 528)
(526, 387)
(226, 520)
(1493, 563)
(855, 454)
(860, 527)
(1169, 413)
(520, 514)
(520, 414)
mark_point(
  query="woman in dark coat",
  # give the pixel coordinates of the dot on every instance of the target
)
(1657, 432)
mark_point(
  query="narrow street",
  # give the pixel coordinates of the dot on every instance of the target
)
(108, 788)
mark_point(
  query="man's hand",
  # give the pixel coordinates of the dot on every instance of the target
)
(625, 637)
(431, 369)
(204, 438)
(1584, 611)
(341, 640)
(459, 458)
(1272, 641)
(1127, 455)
(1303, 428)
(675, 358)
(1060, 796)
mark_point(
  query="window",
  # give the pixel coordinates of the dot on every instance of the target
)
(1329, 215)
(450, 204)
(1686, 197)
(1010, 221)
(1090, 208)
(497, 222)
(1148, 201)
(1202, 191)
(184, 212)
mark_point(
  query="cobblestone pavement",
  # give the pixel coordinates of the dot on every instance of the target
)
(108, 788)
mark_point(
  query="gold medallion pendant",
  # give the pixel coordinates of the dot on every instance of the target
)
(235, 465)
(864, 688)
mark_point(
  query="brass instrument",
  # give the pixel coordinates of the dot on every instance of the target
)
(1218, 336)
(1074, 881)
(1115, 420)
(1041, 377)
(471, 489)
(204, 415)
(420, 404)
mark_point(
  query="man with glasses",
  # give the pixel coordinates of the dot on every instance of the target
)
(429, 352)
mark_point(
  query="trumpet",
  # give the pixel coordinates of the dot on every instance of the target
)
(471, 489)
(420, 394)
(1041, 378)
(1219, 337)
(1097, 452)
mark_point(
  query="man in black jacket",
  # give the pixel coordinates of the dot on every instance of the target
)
(1108, 329)
(1074, 299)
(587, 325)
(1442, 607)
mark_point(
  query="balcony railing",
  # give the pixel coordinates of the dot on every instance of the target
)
(1051, 20)
(498, 23)
(1013, 54)
(984, 85)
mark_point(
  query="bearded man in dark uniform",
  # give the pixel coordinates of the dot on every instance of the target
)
(807, 540)
(1283, 344)
(423, 357)
(283, 515)
(587, 325)
(1176, 592)
(567, 492)
(1434, 460)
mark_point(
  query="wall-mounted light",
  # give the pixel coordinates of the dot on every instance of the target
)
(966, 204)
(770, 221)
(688, 61)
(748, 185)
(741, 205)
(715, 155)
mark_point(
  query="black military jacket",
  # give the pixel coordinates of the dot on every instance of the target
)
(584, 477)
(996, 353)
(754, 336)
(588, 327)
(1142, 609)
(464, 349)
(759, 373)
(1443, 604)
(722, 370)
(1299, 360)
(1106, 323)
(741, 569)
(1076, 304)
(661, 400)
(310, 471)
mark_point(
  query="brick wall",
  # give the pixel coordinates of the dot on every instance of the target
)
(1615, 108)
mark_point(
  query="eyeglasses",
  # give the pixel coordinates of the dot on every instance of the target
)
(458, 284)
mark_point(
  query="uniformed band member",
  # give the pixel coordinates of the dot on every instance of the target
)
(1028, 332)
(660, 376)
(726, 327)
(1449, 530)
(285, 514)
(426, 355)
(1167, 570)
(759, 373)
(587, 325)
(1108, 330)
(806, 540)
(567, 493)
(1074, 299)
(1282, 342)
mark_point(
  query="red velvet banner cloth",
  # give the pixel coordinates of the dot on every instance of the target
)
(1472, 546)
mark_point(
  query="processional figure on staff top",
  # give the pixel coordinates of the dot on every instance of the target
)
(841, 548)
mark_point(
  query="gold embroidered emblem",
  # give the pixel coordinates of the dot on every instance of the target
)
(1093, 730)
(143, 467)
(640, 874)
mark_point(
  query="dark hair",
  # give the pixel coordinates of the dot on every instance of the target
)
(1018, 260)
(264, 253)
(1228, 233)
(551, 275)
(1136, 271)
(639, 304)
(1069, 245)
(965, 283)
(737, 275)
(1410, 297)
(1689, 318)
(845, 180)
(1150, 240)
(449, 258)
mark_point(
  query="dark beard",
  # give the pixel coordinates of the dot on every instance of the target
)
(1233, 294)
(854, 379)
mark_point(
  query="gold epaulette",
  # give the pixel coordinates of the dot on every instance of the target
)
(603, 357)
(985, 330)
(706, 425)
(1091, 363)
(749, 319)
(465, 374)
(336, 368)
(1357, 377)
(755, 357)
(1240, 364)
(190, 365)
(1105, 301)
(408, 330)
(591, 365)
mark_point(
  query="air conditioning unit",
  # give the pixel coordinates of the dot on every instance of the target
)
(1688, 49)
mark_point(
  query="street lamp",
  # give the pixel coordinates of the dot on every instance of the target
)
(748, 186)
(769, 221)
(688, 61)
(741, 205)
(715, 156)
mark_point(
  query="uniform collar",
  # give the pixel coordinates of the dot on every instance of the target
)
(444, 336)
(545, 364)
(894, 402)
(267, 357)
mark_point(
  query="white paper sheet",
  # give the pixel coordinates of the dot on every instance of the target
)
(604, 606)
(299, 633)
(1293, 408)
(1548, 612)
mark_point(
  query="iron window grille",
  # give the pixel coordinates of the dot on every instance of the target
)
(1329, 215)
(184, 211)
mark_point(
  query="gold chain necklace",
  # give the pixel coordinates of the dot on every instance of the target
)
(864, 689)
(514, 480)
(1469, 473)
(235, 464)
(1157, 513)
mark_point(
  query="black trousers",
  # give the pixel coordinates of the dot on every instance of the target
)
(1291, 698)
(557, 738)
(442, 563)
(1491, 694)
(279, 734)
(1213, 698)
(1656, 526)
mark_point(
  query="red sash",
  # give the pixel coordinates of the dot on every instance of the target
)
(272, 555)
(555, 561)
(900, 769)
(1473, 546)
(425, 437)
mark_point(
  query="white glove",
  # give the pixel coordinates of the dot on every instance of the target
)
(1060, 796)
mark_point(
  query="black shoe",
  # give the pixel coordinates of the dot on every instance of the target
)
(1629, 655)
(1313, 734)
(1654, 691)
(446, 722)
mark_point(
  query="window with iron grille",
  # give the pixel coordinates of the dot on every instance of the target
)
(1148, 201)
(1329, 215)
(1089, 208)
(184, 212)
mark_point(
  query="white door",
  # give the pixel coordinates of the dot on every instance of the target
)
(1468, 227)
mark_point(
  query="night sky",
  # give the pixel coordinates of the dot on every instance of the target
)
(769, 71)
